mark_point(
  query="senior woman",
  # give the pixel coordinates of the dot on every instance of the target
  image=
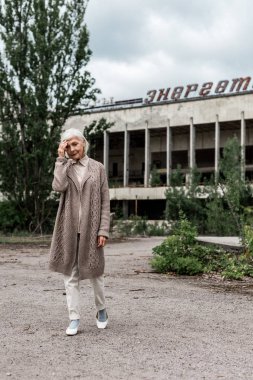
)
(81, 226)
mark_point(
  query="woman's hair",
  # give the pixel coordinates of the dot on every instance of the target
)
(73, 132)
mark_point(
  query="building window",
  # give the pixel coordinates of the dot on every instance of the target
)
(115, 169)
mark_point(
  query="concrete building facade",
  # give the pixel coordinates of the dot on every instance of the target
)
(187, 132)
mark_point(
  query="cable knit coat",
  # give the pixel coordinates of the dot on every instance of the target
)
(93, 195)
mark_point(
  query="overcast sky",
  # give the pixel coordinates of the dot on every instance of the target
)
(139, 45)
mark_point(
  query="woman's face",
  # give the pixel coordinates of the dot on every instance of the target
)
(75, 148)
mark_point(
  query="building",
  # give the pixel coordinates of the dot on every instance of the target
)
(188, 128)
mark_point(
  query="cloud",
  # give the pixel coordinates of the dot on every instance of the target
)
(139, 45)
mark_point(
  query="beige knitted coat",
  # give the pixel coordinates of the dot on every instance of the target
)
(93, 193)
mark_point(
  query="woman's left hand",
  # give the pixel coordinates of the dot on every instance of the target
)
(101, 241)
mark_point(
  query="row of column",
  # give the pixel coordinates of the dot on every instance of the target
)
(192, 148)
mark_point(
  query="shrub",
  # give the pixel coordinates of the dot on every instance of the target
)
(185, 230)
(14, 219)
(214, 208)
(219, 219)
(178, 199)
(236, 268)
(248, 239)
(161, 264)
(137, 225)
(123, 227)
(175, 253)
(155, 178)
(11, 219)
(157, 229)
(182, 254)
(188, 265)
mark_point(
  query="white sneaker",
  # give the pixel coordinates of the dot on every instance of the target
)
(102, 319)
(73, 327)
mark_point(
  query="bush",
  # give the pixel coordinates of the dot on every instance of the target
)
(185, 230)
(214, 208)
(182, 254)
(123, 228)
(188, 265)
(161, 264)
(14, 219)
(236, 268)
(219, 219)
(138, 225)
(248, 240)
(178, 200)
(180, 265)
(157, 229)
(175, 253)
(155, 178)
(11, 219)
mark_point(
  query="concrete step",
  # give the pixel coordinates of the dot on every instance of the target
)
(226, 242)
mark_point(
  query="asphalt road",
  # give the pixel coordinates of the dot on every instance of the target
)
(160, 326)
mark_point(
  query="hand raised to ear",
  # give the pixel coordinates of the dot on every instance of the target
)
(62, 148)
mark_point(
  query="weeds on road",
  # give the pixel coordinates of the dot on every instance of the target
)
(139, 226)
(182, 254)
(25, 238)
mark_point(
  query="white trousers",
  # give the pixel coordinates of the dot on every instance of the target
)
(73, 293)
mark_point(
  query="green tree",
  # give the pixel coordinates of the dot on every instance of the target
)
(186, 199)
(219, 220)
(236, 193)
(43, 81)
(215, 208)
(155, 178)
(94, 133)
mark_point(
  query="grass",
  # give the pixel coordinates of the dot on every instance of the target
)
(25, 239)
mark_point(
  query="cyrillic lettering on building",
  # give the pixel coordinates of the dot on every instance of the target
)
(151, 94)
(176, 94)
(221, 86)
(206, 89)
(239, 82)
(163, 95)
(190, 88)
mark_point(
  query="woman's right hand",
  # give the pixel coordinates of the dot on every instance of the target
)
(62, 148)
